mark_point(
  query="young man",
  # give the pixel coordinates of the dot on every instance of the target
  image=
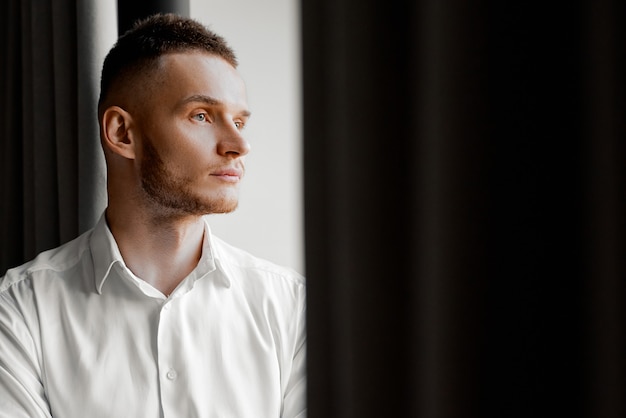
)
(148, 314)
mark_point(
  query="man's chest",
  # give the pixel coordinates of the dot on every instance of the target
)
(131, 356)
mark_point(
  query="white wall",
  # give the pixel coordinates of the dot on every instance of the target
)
(265, 37)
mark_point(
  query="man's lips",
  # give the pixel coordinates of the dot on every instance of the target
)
(228, 174)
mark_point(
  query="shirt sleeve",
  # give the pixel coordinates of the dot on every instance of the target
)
(21, 390)
(294, 402)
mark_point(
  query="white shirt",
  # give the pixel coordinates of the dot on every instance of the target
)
(81, 336)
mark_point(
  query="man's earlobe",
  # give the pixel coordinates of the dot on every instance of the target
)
(117, 132)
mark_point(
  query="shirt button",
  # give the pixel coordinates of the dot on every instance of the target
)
(171, 374)
(167, 307)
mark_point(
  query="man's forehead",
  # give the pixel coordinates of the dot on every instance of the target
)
(198, 77)
(201, 69)
(195, 58)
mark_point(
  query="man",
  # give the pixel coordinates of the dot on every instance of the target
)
(148, 314)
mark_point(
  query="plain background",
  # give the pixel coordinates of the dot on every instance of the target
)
(265, 37)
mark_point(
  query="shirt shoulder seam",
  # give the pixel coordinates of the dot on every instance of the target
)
(261, 265)
(14, 276)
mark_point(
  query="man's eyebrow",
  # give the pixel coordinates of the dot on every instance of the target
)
(201, 98)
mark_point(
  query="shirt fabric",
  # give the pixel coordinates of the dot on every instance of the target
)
(82, 336)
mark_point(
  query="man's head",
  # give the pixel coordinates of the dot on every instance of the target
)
(171, 111)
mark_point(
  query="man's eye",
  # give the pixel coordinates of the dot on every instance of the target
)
(239, 125)
(201, 117)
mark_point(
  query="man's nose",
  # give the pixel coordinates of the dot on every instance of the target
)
(231, 142)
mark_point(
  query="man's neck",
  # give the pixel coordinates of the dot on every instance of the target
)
(161, 251)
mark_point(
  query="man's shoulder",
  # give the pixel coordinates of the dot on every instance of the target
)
(54, 261)
(234, 257)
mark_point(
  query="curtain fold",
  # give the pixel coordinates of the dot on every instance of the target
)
(99, 19)
(53, 173)
(11, 209)
(606, 107)
(464, 201)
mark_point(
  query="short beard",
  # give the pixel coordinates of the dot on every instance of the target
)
(170, 195)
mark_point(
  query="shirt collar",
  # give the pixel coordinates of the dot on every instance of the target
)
(105, 254)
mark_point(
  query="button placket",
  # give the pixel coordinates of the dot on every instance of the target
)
(168, 372)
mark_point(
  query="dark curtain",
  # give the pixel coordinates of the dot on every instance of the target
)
(464, 201)
(52, 175)
(130, 11)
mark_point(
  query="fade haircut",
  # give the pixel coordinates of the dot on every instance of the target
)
(139, 49)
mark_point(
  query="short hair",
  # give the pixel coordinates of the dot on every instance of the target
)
(141, 46)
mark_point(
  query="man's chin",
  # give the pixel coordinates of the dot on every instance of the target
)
(222, 211)
(221, 207)
(186, 208)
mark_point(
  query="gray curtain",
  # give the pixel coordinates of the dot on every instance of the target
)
(52, 169)
(464, 208)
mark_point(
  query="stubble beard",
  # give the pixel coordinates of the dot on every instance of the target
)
(170, 195)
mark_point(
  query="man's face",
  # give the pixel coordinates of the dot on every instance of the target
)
(191, 153)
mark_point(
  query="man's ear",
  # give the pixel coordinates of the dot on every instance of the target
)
(118, 133)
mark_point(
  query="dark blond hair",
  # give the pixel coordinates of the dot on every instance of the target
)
(140, 47)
